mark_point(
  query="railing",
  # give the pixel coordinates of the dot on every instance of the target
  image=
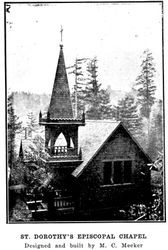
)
(37, 206)
(62, 151)
(63, 202)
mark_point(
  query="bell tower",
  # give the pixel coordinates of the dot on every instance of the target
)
(59, 121)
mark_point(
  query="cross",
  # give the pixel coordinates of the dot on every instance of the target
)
(61, 33)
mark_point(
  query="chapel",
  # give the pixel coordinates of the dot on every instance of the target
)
(98, 166)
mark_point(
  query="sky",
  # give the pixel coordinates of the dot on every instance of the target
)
(117, 34)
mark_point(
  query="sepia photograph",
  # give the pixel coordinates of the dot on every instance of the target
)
(84, 112)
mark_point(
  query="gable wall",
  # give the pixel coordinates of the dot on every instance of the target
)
(93, 190)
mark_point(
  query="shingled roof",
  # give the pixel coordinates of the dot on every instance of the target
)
(60, 104)
(93, 136)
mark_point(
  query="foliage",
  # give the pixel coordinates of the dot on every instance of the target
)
(77, 95)
(20, 212)
(154, 209)
(37, 153)
(32, 124)
(33, 171)
(155, 144)
(145, 84)
(30, 174)
(127, 112)
(156, 178)
(37, 178)
(18, 173)
(99, 106)
(14, 126)
(36, 150)
(93, 86)
(90, 95)
(80, 103)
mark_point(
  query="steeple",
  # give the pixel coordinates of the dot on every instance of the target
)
(60, 121)
(60, 104)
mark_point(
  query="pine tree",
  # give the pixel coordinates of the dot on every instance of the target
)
(155, 144)
(80, 103)
(80, 82)
(90, 96)
(96, 98)
(37, 149)
(146, 87)
(99, 106)
(31, 123)
(92, 87)
(127, 112)
(14, 126)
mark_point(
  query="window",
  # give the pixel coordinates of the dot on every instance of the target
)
(127, 171)
(107, 173)
(117, 176)
(117, 172)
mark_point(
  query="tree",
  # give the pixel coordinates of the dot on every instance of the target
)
(127, 112)
(88, 94)
(18, 173)
(32, 171)
(146, 87)
(36, 151)
(99, 106)
(77, 95)
(155, 144)
(31, 123)
(41, 174)
(14, 126)
(154, 210)
(145, 84)
(96, 98)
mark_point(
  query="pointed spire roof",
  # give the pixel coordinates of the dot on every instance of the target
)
(21, 155)
(60, 104)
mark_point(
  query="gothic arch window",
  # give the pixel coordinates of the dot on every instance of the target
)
(61, 141)
(71, 143)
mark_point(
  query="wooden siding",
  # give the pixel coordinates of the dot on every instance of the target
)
(93, 192)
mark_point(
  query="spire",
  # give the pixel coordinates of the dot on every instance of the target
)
(61, 31)
(21, 156)
(60, 104)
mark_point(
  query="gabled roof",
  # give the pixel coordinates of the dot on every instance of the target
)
(60, 104)
(92, 138)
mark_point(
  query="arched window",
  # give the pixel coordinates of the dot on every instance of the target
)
(71, 143)
(61, 141)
